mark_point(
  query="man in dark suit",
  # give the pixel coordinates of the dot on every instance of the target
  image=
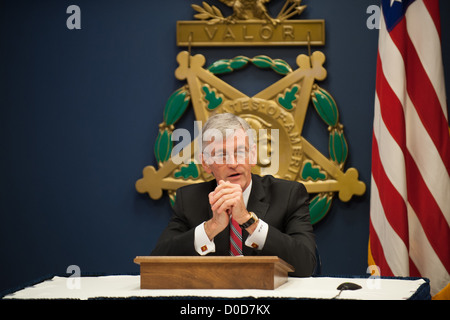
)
(271, 213)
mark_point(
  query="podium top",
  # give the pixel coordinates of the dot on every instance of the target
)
(214, 260)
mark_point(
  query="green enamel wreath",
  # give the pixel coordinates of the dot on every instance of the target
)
(323, 103)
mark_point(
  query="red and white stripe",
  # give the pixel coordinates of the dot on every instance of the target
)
(235, 238)
(410, 185)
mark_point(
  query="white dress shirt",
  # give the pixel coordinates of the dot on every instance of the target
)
(256, 240)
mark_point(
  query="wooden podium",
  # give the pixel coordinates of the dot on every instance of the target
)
(219, 272)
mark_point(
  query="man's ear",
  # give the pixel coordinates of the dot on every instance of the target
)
(253, 157)
(205, 166)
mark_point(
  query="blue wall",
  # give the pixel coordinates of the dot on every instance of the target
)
(79, 114)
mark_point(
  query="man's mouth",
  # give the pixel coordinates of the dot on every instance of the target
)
(234, 175)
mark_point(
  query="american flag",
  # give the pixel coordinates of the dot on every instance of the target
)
(410, 183)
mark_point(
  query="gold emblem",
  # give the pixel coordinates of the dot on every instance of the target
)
(248, 9)
(277, 113)
(281, 106)
(249, 25)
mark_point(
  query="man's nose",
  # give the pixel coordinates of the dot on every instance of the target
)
(232, 160)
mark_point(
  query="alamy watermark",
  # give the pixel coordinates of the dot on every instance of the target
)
(373, 21)
(374, 280)
(262, 147)
(73, 281)
(74, 20)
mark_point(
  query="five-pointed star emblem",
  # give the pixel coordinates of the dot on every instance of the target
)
(392, 2)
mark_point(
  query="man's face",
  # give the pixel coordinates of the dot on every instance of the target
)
(230, 159)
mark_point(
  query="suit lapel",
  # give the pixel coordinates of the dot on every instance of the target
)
(257, 205)
(256, 200)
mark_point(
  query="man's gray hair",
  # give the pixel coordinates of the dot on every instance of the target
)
(226, 123)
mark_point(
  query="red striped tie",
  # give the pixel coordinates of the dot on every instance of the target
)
(235, 238)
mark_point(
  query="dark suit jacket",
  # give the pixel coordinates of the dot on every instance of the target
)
(282, 204)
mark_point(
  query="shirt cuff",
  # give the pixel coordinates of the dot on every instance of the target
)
(258, 238)
(202, 244)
